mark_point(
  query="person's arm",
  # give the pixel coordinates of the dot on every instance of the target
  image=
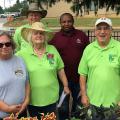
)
(27, 97)
(84, 97)
(63, 78)
(17, 37)
(9, 108)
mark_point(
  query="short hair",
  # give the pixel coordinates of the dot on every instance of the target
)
(67, 14)
(4, 33)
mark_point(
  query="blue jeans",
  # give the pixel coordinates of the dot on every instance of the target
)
(63, 111)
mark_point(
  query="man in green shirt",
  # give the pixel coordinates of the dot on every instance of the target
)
(34, 14)
(99, 68)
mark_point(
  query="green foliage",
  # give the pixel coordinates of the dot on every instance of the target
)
(78, 5)
(18, 2)
(73, 118)
(1, 10)
(16, 7)
(98, 113)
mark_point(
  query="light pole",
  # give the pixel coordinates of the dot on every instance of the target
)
(4, 4)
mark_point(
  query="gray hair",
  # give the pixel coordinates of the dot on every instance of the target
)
(4, 33)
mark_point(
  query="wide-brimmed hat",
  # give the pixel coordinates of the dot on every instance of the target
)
(104, 20)
(26, 31)
(33, 7)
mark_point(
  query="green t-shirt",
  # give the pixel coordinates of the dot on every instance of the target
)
(43, 75)
(20, 42)
(101, 66)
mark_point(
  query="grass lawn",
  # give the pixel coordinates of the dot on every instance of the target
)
(54, 22)
(79, 22)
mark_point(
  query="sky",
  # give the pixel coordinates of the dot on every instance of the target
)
(8, 3)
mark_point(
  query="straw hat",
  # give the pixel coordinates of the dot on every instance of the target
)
(25, 32)
(33, 7)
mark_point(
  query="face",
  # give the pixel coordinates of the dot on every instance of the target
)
(103, 32)
(38, 37)
(34, 17)
(66, 22)
(6, 50)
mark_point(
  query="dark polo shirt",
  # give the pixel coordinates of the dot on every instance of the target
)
(70, 46)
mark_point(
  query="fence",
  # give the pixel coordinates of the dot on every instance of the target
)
(90, 33)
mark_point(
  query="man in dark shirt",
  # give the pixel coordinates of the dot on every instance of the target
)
(70, 43)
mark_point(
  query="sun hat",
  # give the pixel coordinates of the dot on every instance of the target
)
(33, 7)
(103, 20)
(26, 31)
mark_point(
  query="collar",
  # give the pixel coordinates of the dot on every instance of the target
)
(68, 33)
(31, 50)
(110, 44)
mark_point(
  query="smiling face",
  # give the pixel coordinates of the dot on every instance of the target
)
(103, 33)
(34, 17)
(6, 50)
(38, 37)
(66, 22)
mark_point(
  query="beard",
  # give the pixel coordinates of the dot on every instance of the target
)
(103, 39)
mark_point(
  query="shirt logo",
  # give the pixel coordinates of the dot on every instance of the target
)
(112, 57)
(50, 58)
(78, 41)
(18, 72)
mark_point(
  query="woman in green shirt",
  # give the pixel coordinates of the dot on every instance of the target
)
(44, 64)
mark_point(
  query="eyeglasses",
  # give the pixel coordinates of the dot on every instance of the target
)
(7, 44)
(103, 28)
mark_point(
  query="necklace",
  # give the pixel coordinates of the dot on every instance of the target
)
(39, 52)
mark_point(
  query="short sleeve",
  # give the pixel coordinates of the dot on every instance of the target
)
(83, 65)
(17, 37)
(24, 67)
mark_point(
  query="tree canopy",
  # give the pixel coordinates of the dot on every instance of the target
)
(1, 10)
(79, 5)
(18, 7)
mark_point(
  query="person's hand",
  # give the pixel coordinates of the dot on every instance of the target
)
(10, 118)
(23, 106)
(66, 90)
(85, 100)
(14, 108)
(21, 109)
(119, 103)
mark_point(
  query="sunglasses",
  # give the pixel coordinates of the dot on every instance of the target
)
(7, 44)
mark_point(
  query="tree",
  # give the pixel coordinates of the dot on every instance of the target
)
(18, 2)
(18, 7)
(79, 5)
(1, 10)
